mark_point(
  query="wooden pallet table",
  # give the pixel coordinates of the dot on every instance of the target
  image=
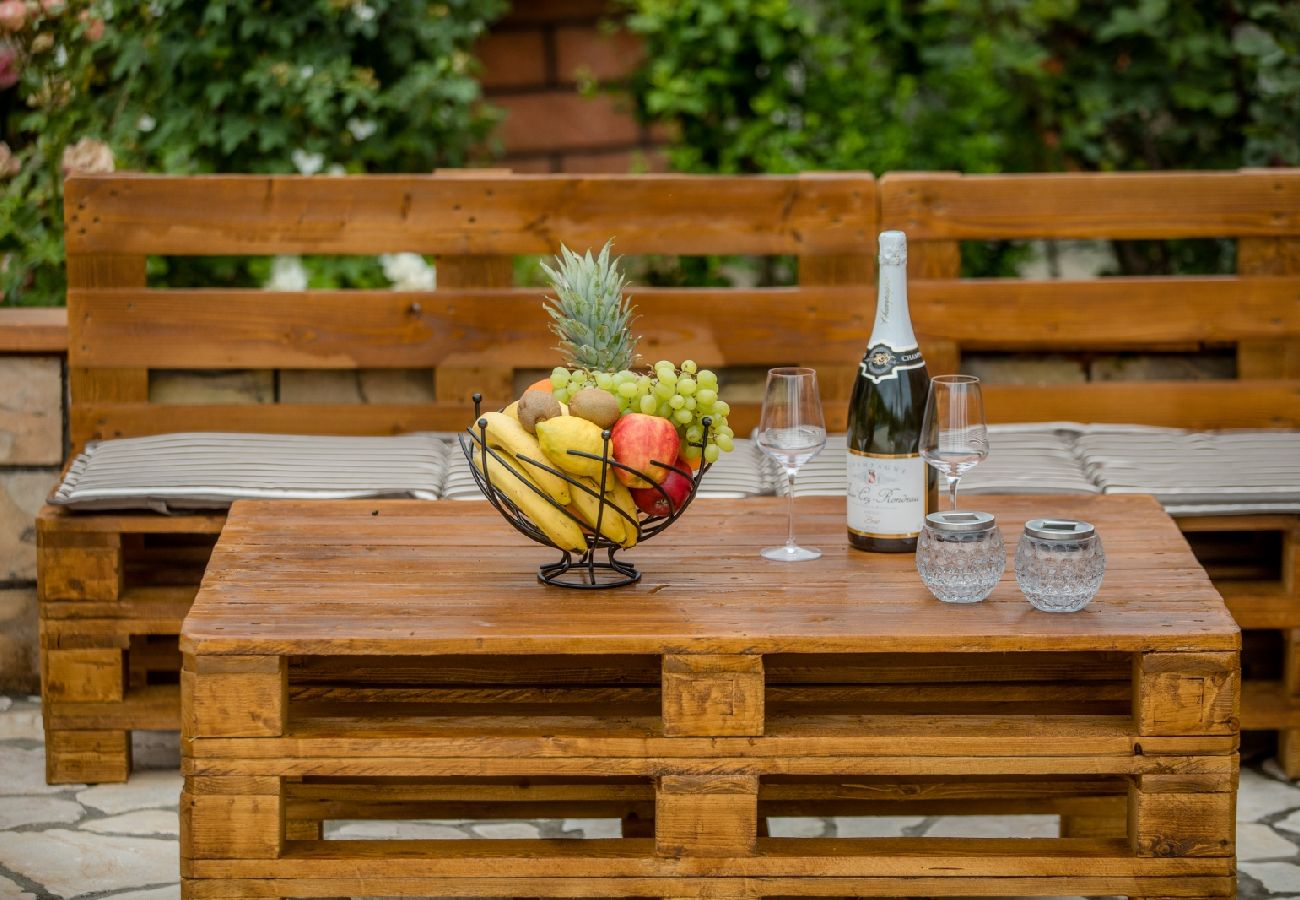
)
(398, 660)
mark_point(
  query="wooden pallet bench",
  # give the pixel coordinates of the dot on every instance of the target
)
(1254, 314)
(398, 660)
(108, 621)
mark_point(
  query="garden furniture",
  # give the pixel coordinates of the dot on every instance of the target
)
(399, 660)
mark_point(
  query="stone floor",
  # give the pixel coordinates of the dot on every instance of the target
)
(119, 840)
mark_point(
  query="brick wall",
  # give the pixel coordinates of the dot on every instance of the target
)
(31, 452)
(535, 62)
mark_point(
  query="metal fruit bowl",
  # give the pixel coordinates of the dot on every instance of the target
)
(597, 566)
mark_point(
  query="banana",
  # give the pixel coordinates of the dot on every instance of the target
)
(620, 496)
(562, 530)
(588, 505)
(505, 433)
(512, 411)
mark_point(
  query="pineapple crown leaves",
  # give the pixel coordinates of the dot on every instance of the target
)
(589, 313)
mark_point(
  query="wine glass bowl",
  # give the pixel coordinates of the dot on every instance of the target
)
(954, 433)
(791, 431)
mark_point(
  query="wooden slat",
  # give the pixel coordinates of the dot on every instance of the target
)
(1093, 205)
(477, 326)
(1269, 358)
(1176, 404)
(33, 330)
(675, 214)
(73, 757)
(1113, 313)
(120, 385)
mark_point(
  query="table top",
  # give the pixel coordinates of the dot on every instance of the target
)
(446, 577)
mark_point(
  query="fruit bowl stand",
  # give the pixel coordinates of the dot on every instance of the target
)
(596, 566)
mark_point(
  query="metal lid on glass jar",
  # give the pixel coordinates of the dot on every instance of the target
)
(1059, 529)
(960, 521)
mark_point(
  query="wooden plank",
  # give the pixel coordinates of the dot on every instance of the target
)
(236, 696)
(32, 330)
(85, 674)
(1155, 887)
(1266, 705)
(933, 260)
(109, 269)
(831, 351)
(154, 707)
(1186, 693)
(1269, 358)
(1110, 313)
(706, 815)
(518, 214)
(1256, 203)
(1171, 815)
(459, 381)
(81, 757)
(712, 695)
(479, 324)
(1171, 404)
(895, 859)
(1260, 604)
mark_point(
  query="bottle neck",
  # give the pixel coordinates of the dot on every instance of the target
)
(893, 320)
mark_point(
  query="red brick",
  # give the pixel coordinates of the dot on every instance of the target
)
(588, 51)
(531, 11)
(564, 120)
(615, 162)
(512, 59)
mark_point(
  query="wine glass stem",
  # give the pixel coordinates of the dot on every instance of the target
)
(952, 490)
(789, 494)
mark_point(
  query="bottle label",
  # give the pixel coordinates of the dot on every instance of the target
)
(886, 494)
(884, 362)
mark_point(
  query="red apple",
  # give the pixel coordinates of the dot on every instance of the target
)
(638, 440)
(677, 486)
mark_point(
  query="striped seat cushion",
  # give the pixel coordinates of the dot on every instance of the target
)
(171, 472)
(1197, 473)
(1023, 459)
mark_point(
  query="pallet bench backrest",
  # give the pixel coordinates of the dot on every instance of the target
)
(1257, 310)
(477, 328)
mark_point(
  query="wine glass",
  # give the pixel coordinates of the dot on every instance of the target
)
(954, 436)
(791, 431)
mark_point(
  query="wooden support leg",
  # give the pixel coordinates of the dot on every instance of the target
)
(233, 696)
(706, 815)
(87, 757)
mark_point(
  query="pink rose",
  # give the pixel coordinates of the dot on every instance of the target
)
(13, 14)
(9, 164)
(94, 26)
(8, 66)
(87, 156)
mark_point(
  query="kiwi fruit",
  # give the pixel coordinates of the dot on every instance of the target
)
(537, 406)
(595, 405)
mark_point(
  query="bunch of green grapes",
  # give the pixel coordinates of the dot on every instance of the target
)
(682, 394)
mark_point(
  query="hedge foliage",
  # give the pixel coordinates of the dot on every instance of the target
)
(991, 86)
(227, 86)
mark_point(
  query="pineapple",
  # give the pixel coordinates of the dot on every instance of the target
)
(588, 313)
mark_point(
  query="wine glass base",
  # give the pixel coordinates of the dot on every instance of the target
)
(787, 553)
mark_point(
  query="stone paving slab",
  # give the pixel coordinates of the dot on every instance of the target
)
(119, 841)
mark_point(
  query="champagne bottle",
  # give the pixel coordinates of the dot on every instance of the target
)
(888, 485)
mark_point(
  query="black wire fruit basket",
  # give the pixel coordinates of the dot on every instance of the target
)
(596, 566)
